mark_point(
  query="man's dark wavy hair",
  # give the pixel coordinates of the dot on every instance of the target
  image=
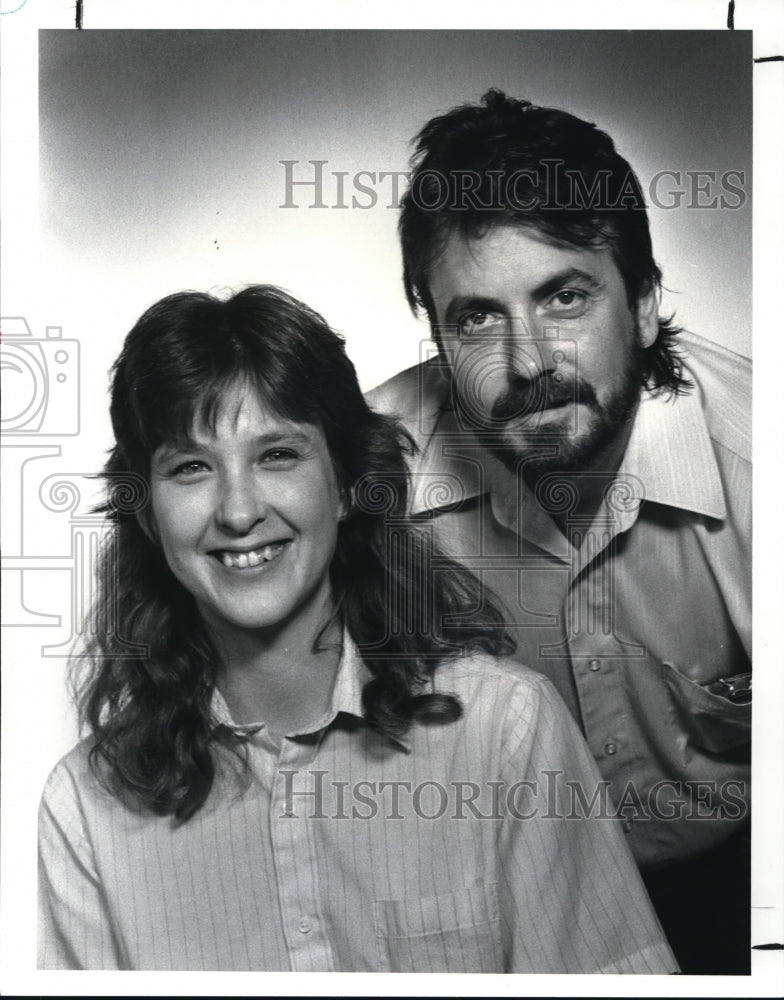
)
(154, 737)
(507, 161)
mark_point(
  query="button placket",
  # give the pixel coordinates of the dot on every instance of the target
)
(293, 801)
(597, 655)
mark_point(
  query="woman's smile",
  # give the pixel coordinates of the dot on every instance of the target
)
(247, 513)
(245, 559)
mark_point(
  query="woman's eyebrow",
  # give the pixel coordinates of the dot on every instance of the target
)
(169, 448)
(284, 434)
(292, 435)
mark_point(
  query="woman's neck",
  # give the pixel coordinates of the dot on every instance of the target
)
(281, 678)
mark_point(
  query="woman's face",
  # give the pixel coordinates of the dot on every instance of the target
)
(248, 517)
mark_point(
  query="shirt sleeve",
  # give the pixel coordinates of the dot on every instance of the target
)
(75, 928)
(571, 895)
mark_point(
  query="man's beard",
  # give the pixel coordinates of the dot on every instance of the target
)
(512, 436)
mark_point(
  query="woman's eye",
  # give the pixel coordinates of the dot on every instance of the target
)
(279, 457)
(189, 468)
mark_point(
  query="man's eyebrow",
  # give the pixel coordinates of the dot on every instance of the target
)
(462, 304)
(564, 278)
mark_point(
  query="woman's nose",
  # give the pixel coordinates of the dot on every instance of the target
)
(242, 503)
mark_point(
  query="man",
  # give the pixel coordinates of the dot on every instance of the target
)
(591, 463)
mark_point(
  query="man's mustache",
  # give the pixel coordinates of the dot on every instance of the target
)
(526, 396)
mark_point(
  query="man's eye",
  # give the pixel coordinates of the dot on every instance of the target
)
(567, 300)
(479, 323)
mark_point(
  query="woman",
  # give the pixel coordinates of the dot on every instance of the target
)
(317, 761)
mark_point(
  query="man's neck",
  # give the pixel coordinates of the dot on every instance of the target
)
(589, 484)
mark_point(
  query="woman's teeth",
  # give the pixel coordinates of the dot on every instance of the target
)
(247, 560)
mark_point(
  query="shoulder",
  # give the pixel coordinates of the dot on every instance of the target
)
(498, 687)
(709, 358)
(476, 668)
(513, 718)
(72, 768)
(72, 783)
(392, 395)
(418, 391)
(722, 379)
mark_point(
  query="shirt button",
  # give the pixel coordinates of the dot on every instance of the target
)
(627, 825)
(304, 926)
(594, 665)
(610, 748)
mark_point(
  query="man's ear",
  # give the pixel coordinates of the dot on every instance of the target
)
(648, 317)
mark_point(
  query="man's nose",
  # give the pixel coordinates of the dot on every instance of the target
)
(527, 353)
(242, 502)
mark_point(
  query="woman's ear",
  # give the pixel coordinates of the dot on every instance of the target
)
(346, 502)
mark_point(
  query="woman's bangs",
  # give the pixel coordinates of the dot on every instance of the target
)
(201, 408)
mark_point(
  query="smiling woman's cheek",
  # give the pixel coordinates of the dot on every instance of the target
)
(248, 520)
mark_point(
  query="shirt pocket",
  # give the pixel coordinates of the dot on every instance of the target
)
(709, 721)
(458, 930)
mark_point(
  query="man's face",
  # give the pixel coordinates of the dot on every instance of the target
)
(543, 347)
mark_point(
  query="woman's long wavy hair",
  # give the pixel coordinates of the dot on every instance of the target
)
(405, 605)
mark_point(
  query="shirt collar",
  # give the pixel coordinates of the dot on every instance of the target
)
(350, 679)
(442, 478)
(669, 452)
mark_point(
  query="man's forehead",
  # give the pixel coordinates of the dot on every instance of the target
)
(509, 252)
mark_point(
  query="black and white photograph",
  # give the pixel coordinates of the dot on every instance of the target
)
(379, 582)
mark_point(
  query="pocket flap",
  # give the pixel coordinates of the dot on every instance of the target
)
(450, 911)
(710, 721)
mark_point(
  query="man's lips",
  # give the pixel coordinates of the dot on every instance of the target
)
(249, 558)
(527, 398)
